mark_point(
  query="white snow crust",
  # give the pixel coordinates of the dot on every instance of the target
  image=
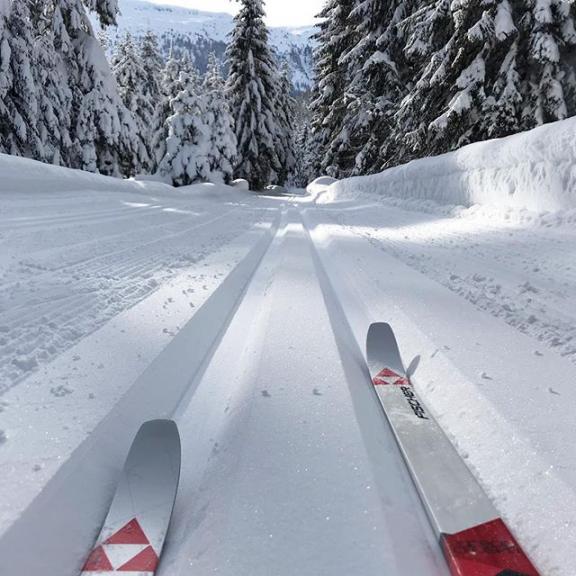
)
(243, 317)
(241, 184)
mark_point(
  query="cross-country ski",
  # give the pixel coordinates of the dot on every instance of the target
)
(133, 534)
(207, 209)
(475, 539)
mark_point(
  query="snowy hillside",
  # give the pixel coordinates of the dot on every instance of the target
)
(202, 32)
(244, 319)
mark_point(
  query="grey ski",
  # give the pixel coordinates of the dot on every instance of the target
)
(135, 528)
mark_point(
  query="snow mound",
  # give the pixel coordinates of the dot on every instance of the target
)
(241, 184)
(29, 176)
(320, 184)
(534, 170)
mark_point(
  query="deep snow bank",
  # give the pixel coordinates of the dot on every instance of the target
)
(534, 170)
(22, 175)
(25, 175)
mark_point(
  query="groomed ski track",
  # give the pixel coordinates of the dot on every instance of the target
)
(289, 466)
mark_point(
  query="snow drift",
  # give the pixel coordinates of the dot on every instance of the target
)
(24, 175)
(534, 170)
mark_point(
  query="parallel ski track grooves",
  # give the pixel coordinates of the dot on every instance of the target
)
(356, 369)
(67, 312)
(71, 219)
(452, 544)
(93, 464)
(82, 266)
(140, 221)
(107, 269)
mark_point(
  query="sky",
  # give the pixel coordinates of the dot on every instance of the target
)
(279, 12)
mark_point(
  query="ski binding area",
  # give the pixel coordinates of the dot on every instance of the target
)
(242, 320)
(475, 539)
(135, 529)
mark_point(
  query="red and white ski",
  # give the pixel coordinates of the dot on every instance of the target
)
(134, 531)
(475, 540)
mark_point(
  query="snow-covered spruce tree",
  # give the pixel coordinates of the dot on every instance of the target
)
(252, 85)
(54, 99)
(484, 70)
(550, 47)
(169, 88)
(153, 65)
(304, 169)
(131, 78)
(102, 130)
(334, 39)
(186, 160)
(222, 149)
(378, 76)
(285, 113)
(18, 91)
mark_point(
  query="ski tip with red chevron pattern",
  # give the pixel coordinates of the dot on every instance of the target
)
(486, 550)
(475, 541)
(135, 528)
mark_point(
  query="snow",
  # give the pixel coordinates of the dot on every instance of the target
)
(241, 184)
(243, 317)
(531, 171)
(503, 23)
(320, 184)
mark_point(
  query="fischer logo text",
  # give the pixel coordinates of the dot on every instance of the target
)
(417, 408)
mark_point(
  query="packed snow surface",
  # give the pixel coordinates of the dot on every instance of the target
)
(244, 317)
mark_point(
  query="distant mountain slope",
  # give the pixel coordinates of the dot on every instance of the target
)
(200, 33)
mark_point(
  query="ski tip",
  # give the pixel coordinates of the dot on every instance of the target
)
(378, 333)
(160, 431)
(382, 348)
(160, 426)
(486, 550)
(379, 327)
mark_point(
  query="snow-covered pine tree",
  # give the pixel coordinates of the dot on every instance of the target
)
(103, 131)
(334, 39)
(502, 110)
(304, 169)
(550, 47)
(107, 10)
(153, 64)
(377, 82)
(5, 73)
(220, 123)
(484, 70)
(131, 78)
(169, 88)
(18, 92)
(285, 113)
(186, 160)
(55, 97)
(252, 85)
